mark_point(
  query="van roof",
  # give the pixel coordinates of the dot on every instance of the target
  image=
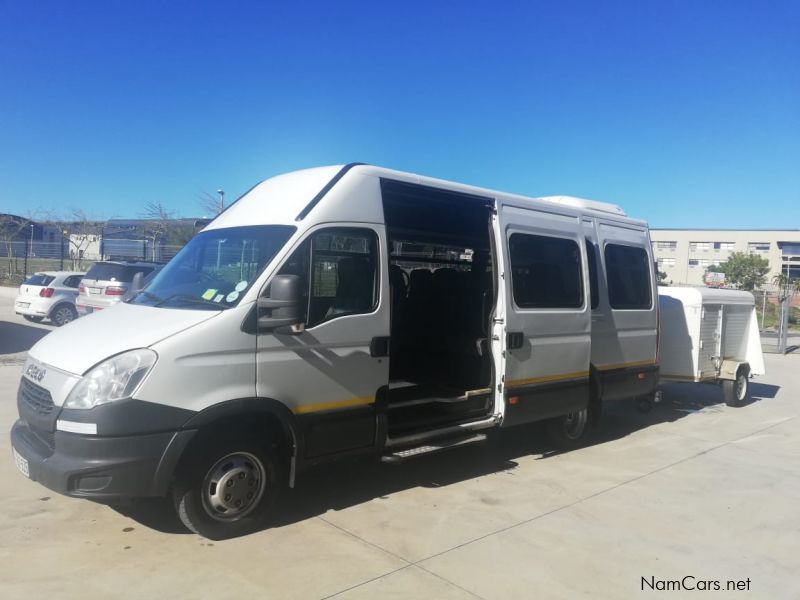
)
(289, 197)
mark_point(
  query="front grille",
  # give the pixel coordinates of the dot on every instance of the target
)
(36, 397)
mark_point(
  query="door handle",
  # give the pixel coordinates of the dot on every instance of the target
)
(379, 346)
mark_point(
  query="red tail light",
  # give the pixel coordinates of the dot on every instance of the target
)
(81, 289)
(115, 291)
(46, 292)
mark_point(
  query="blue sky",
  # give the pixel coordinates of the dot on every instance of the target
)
(687, 113)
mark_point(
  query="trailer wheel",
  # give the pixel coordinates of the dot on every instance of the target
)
(570, 431)
(228, 489)
(736, 391)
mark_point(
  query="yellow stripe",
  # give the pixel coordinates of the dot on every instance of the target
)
(547, 378)
(687, 377)
(636, 363)
(308, 408)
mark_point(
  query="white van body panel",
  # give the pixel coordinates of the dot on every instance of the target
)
(625, 338)
(77, 347)
(556, 341)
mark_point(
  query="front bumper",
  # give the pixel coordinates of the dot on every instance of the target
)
(88, 466)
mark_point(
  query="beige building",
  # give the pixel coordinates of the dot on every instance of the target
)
(684, 254)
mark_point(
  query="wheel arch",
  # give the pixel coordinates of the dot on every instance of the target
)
(271, 412)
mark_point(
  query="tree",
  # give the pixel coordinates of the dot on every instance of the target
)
(786, 285)
(743, 271)
(158, 224)
(79, 231)
(212, 204)
(12, 230)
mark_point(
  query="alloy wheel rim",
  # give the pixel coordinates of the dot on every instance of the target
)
(63, 316)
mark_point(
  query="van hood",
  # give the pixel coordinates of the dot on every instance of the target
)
(80, 345)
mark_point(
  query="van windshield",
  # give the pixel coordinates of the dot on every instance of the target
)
(215, 269)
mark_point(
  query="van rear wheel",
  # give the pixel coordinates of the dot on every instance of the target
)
(229, 489)
(571, 430)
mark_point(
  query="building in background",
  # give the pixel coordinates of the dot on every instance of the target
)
(684, 254)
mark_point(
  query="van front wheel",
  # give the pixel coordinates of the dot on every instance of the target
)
(570, 431)
(228, 491)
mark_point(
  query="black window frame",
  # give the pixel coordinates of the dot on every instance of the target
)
(579, 263)
(594, 281)
(648, 269)
(307, 245)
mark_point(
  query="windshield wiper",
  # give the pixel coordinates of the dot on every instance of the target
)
(153, 297)
(189, 299)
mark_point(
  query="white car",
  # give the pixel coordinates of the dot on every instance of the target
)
(49, 295)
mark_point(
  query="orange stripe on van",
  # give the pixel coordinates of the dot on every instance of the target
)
(333, 405)
(547, 378)
(636, 363)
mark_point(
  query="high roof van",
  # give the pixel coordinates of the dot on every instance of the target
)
(334, 312)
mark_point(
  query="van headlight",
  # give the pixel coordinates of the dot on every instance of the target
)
(114, 379)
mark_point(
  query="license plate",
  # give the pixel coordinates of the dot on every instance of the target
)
(92, 290)
(22, 463)
(23, 304)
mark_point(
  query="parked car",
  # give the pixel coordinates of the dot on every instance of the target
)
(107, 282)
(49, 295)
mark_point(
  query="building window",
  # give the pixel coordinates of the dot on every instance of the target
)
(545, 271)
(665, 245)
(758, 246)
(723, 246)
(699, 246)
(700, 262)
(665, 262)
(628, 273)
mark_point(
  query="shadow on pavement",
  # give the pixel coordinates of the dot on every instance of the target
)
(19, 338)
(355, 481)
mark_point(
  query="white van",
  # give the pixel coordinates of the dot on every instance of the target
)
(341, 311)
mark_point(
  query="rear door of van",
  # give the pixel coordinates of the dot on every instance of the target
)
(547, 316)
(625, 323)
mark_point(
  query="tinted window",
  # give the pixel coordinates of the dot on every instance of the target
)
(73, 281)
(114, 272)
(339, 268)
(39, 279)
(628, 273)
(545, 272)
(591, 257)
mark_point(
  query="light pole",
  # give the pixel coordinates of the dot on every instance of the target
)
(221, 200)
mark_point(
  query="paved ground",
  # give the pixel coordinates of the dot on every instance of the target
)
(693, 488)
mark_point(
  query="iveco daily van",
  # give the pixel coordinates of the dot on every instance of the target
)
(340, 311)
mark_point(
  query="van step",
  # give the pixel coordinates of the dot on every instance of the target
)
(439, 446)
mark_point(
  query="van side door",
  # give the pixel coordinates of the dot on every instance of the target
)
(626, 363)
(547, 314)
(329, 374)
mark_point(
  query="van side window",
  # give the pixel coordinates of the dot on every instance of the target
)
(628, 273)
(545, 271)
(591, 258)
(339, 268)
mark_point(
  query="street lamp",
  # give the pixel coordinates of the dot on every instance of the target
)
(31, 252)
(221, 200)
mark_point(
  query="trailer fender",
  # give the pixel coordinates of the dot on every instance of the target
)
(729, 368)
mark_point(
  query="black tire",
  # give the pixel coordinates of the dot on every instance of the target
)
(737, 392)
(33, 319)
(63, 314)
(251, 470)
(572, 430)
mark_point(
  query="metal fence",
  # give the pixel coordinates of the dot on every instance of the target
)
(20, 259)
(778, 320)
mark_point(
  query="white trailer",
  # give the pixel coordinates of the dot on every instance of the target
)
(710, 335)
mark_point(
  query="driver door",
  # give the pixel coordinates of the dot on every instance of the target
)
(329, 374)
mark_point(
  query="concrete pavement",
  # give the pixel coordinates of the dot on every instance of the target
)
(694, 488)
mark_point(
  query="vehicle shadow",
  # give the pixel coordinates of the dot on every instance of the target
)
(15, 337)
(355, 481)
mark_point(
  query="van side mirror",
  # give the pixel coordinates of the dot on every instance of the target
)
(137, 283)
(281, 308)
